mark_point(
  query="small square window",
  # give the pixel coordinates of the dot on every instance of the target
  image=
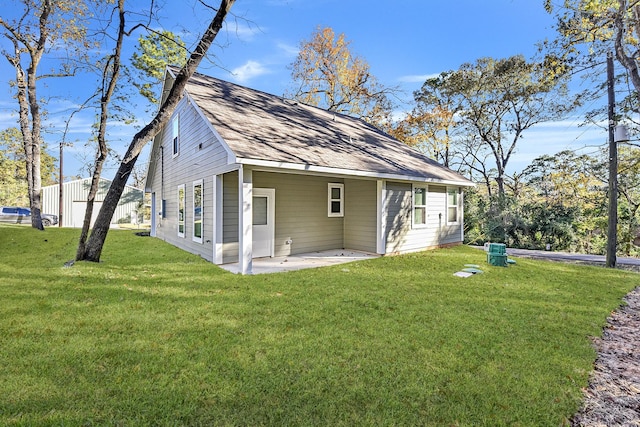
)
(336, 200)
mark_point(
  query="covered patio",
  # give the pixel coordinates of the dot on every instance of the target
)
(302, 261)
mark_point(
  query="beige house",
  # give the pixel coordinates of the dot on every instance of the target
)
(239, 174)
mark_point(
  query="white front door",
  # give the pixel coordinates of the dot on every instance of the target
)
(264, 200)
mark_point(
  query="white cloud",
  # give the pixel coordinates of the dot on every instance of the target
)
(416, 78)
(288, 50)
(243, 31)
(248, 71)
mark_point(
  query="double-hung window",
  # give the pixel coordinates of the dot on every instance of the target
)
(175, 135)
(197, 211)
(336, 200)
(419, 206)
(181, 211)
(452, 205)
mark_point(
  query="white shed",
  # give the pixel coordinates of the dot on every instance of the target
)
(74, 204)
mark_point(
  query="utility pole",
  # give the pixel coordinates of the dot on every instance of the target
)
(612, 233)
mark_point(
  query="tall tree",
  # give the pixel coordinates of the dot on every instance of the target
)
(590, 28)
(496, 101)
(430, 127)
(154, 52)
(41, 27)
(95, 242)
(110, 75)
(327, 74)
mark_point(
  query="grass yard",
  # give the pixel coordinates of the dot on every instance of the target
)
(156, 336)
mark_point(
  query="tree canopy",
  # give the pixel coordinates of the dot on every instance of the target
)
(153, 53)
(41, 27)
(327, 74)
(488, 104)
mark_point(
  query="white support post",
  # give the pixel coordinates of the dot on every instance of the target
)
(245, 220)
(217, 210)
(381, 216)
(154, 212)
(461, 217)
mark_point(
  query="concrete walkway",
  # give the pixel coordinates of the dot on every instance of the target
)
(302, 261)
(566, 256)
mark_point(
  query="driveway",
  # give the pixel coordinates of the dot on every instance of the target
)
(571, 257)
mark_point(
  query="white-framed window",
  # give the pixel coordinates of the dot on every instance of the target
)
(181, 209)
(175, 135)
(197, 211)
(335, 200)
(419, 202)
(453, 203)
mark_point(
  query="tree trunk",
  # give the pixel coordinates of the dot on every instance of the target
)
(35, 187)
(27, 135)
(29, 108)
(111, 73)
(95, 243)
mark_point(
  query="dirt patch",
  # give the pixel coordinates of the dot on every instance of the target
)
(613, 395)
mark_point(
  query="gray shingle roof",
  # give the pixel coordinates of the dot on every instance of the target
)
(259, 126)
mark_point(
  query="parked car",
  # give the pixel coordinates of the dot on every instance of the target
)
(18, 215)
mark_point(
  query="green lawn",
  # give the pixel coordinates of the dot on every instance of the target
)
(155, 336)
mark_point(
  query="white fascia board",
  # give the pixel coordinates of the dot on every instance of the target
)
(323, 170)
(224, 169)
(231, 156)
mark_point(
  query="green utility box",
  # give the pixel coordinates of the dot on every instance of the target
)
(497, 248)
(497, 260)
(497, 254)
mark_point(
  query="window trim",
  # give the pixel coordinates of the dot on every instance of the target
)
(175, 135)
(182, 201)
(198, 183)
(331, 200)
(457, 205)
(414, 187)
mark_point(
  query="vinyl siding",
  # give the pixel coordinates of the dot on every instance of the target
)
(401, 237)
(199, 152)
(230, 217)
(360, 215)
(301, 213)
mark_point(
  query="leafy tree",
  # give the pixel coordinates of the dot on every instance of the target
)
(495, 102)
(432, 125)
(95, 242)
(40, 27)
(13, 178)
(566, 183)
(154, 52)
(629, 189)
(327, 74)
(590, 28)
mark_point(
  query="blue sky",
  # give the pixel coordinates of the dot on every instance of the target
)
(404, 42)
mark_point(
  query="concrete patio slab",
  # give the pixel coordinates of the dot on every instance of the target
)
(302, 261)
